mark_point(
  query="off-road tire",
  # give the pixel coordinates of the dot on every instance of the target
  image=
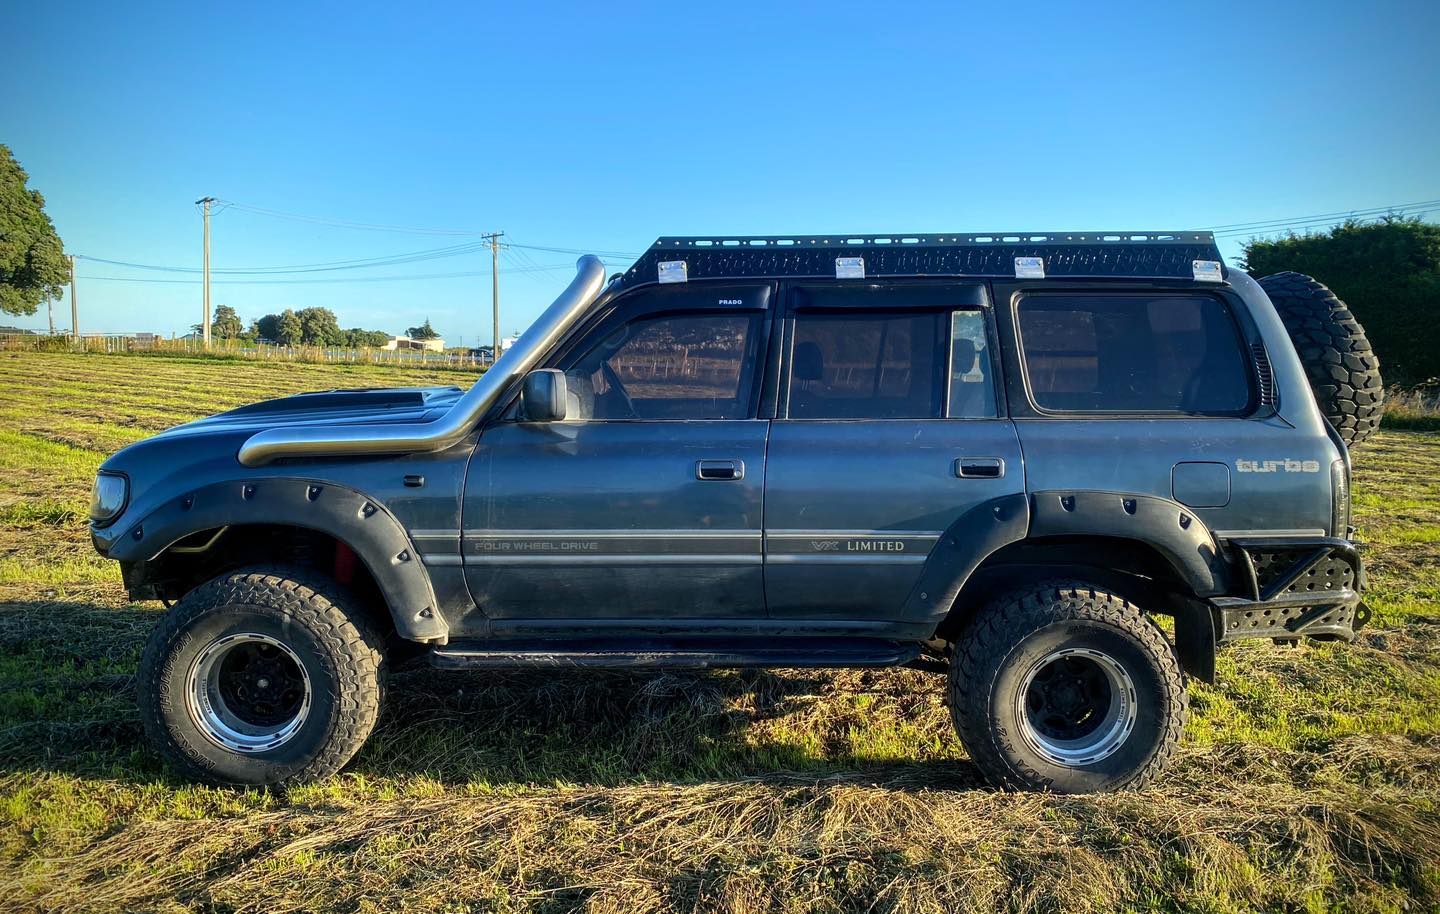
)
(1342, 369)
(991, 656)
(311, 614)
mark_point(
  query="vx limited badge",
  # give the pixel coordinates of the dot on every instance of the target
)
(1277, 466)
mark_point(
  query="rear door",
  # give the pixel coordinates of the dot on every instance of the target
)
(889, 427)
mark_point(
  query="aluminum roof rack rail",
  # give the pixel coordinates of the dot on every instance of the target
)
(1139, 255)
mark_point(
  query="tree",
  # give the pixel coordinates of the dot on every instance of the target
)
(32, 259)
(355, 338)
(288, 329)
(1387, 272)
(423, 332)
(318, 327)
(226, 325)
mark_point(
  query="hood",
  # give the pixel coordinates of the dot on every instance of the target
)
(328, 407)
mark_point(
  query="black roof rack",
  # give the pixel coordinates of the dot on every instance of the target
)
(1141, 255)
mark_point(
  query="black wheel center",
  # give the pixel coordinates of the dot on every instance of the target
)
(1068, 699)
(261, 685)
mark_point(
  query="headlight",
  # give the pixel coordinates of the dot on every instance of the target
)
(107, 499)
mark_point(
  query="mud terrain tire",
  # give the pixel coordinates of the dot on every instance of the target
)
(1000, 696)
(291, 620)
(1343, 370)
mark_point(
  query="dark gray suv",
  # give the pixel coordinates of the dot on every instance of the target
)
(997, 457)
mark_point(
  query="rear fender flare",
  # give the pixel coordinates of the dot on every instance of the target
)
(351, 517)
(966, 543)
(1169, 527)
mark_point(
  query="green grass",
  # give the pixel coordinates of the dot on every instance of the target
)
(1309, 779)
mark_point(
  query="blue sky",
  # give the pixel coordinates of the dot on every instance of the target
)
(602, 127)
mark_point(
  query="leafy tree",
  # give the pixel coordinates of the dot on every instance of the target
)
(355, 338)
(32, 259)
(423, 332)
(1387, 272)
(288, 328)
(225, 324)
(318, 327)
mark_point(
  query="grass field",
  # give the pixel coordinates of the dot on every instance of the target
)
(1310, 779)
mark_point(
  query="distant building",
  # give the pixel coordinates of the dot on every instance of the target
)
(405, 342)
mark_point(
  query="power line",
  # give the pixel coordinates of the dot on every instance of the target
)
(324, 267)
(343, 223)
(539, 268)
(1336, 215)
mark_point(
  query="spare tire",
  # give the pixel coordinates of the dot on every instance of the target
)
(1343, 370)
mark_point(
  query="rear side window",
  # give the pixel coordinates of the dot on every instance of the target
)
(1168, 353)
(890, 365)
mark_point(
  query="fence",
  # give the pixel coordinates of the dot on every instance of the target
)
(237, 349)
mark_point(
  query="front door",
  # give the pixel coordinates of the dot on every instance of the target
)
(889, 429)
(645, 502)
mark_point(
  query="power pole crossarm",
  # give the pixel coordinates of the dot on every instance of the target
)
(205, 320)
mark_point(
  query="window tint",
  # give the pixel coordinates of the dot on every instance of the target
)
(1133, 353)
(682, 366)
(867, 366)
(972, 386)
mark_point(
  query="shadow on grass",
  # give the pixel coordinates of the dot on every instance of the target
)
(67, 705)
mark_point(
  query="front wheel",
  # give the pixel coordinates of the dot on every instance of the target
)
(1068, 688)
(261, 676)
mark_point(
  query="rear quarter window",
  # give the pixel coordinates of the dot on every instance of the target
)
(1171, 353)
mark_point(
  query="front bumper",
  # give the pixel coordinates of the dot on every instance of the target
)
(1293, 589)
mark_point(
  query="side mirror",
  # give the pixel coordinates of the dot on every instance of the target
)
(543, 395)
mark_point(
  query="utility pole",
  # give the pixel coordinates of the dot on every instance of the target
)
(495, 291)
(50, 312)
(74, 303)
(205, 324)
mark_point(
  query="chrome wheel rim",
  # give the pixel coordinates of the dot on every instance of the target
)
(249, 692)
(1076, 706)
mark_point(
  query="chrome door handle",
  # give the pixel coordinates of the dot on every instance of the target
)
(719, 470)
(979, 467)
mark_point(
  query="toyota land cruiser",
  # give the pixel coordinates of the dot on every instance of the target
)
(997, 457)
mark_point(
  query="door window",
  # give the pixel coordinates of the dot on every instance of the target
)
(1169, 353)
(675, 366)
(890, 365)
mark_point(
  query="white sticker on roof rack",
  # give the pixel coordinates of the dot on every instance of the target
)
(1029, 268)
(849, 267)
(673, 271)
(1208, 271)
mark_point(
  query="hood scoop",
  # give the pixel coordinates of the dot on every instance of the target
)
(373, 398)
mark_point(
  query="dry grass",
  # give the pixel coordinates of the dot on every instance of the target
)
(1310, 780)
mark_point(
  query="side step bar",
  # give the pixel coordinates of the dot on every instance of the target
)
(672, 654)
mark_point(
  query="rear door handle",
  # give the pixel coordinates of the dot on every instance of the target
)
(979, 467)
(719, 470)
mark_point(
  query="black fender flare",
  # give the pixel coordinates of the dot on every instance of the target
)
(378, 539)
(1167, 526)
(970, 540)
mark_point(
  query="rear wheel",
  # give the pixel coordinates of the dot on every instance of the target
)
(1068, 688)
(261, 676)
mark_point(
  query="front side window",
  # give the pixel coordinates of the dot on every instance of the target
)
(890, 365)
(677, 366)
(1163, 353)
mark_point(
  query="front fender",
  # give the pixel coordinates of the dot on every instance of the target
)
(362, 523)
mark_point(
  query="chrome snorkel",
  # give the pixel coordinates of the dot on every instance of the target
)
(438, 434)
